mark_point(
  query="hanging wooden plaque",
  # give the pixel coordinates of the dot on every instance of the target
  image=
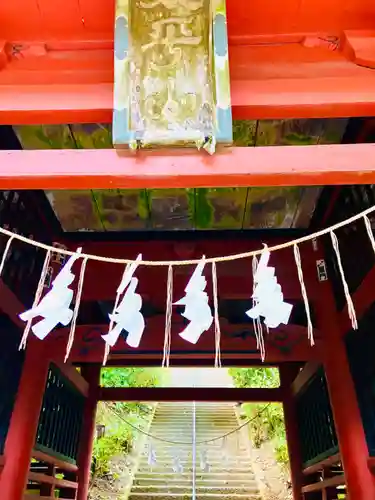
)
(171, 85)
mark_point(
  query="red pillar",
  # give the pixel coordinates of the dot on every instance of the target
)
(92, 374)
(349, 427)
(24, 422)
(287, 375)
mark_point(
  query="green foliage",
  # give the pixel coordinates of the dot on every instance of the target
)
(131, 377)
(267, 422)
(118, 438)
(108, 447)
(255, 377)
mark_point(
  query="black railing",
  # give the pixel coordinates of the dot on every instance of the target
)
(24, 263)
(60, 419)
(357, 263)
(11, 362)
(360, 346)
(315, 421)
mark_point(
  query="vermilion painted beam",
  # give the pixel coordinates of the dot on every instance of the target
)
(263, 166)
(257, 99)
(304, 376)
(71, 373)
(189, 394)
(363, 298)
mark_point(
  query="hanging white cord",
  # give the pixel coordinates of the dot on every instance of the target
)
(37, 297)
(76, 309)
(225, 258)
(194, 465)
(310, 330)
(351, 310)
(168, 319)
(216, 318)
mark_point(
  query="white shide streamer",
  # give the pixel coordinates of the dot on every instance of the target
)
(351, 310)
(126, 314)
(197, 309)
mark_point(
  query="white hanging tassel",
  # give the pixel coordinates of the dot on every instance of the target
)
(203, 461)
(107, 347)
(351, 310)
(37, 297)
(369, 232)
(76, 309)
(297, 258)
(268, 297)
(127, 313)
(197, 310)
(216, 317)
(168, 319)
(257, 324)
(177, 465)
(151, 458)
(5, 254)
(55, 305)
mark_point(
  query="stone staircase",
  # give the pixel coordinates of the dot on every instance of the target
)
(229, 475)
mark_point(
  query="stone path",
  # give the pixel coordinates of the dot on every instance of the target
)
(229, 472)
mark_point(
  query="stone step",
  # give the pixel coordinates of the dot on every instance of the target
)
(171, 488)
(216, 480)
(188, 470)
(202, 476)
(188, 495)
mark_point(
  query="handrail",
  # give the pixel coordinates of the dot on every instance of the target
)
(54, 481)
(49, 459)
(326, 483)
(327, 462)
(194, 451)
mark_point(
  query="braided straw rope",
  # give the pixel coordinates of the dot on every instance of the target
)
(167, 263)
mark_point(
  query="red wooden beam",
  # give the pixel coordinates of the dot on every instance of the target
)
(363, 298)
(303, 377)
(252, 99)
(71, 373)
(189, 394)
(263, 166)
(287, 343)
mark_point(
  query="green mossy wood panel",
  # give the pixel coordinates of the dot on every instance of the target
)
(299, 132)
(120, 210)
(333, 130)
(76, 210)
(172, 208)
(244, 132)
(272, 207)
(222, 208)
(306, 207)
(45, 136)
(92, 135)
(288, 132)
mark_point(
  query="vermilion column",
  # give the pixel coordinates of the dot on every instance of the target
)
(349, 427)
(92, 374)
(287, 375)
(24, 422)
